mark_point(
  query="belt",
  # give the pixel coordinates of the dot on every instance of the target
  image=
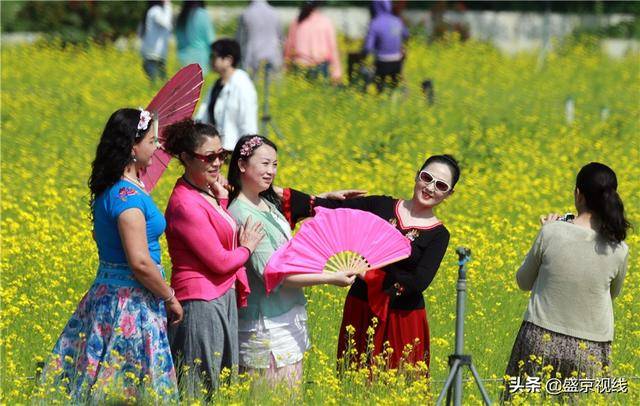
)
(116, 274)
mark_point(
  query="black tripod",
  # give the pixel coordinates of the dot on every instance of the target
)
(458, 360)
(265, 119)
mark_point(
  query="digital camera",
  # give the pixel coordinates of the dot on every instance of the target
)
(567, 217)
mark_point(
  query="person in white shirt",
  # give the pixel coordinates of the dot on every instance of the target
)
(232, 103)
(155, 31)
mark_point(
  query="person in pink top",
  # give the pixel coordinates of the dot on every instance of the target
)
(208, 253)
(311, 43)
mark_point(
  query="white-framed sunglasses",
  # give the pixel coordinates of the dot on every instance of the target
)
(441, 186)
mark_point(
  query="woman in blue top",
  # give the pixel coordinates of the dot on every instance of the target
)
(194, 35)
(117, 337)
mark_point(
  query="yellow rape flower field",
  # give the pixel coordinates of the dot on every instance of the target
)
(503, 117)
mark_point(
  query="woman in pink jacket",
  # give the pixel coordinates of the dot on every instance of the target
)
(311, 44)
(208, 255)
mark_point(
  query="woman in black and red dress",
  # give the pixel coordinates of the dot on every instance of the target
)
(393, 294)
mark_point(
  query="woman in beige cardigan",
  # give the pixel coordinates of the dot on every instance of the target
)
(574, 270)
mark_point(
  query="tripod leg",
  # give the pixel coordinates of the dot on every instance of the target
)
(484, 393)
(447, 383)
(457, 387)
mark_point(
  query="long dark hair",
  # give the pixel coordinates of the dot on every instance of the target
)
(307, 8)
(234, 170)
(188, 6)
(598, 184)
(113, 153)
(448, 160)
(186, 136)
(143, 25)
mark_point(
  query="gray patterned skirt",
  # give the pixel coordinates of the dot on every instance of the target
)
(537, 349)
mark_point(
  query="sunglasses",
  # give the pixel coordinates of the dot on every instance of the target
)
(209, 159)
(441, 186)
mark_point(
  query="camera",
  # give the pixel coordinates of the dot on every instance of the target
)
(567, 217)
(463, 253)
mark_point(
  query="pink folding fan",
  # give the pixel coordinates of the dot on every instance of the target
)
(337, 240)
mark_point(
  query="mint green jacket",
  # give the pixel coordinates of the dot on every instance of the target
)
(281, 299)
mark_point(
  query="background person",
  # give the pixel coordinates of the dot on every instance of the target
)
(312, 45)
(194, 35)
(574, 270)
(260, 35)
(155, 32)
(119, 328)
(385, 40)
(208, 252)
(232, 102)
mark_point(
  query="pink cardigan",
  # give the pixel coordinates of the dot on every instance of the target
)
(313, 42)
(205, 256)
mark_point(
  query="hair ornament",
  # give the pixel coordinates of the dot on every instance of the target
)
(143, 124)
(249, 146)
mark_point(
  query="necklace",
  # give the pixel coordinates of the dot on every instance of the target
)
(207, 192)
(136, 181)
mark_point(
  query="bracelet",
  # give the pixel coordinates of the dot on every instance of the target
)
(312, 204)
(173, 294)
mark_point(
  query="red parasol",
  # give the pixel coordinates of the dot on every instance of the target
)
(174, 102)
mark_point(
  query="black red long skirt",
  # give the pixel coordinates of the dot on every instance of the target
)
(405, 331)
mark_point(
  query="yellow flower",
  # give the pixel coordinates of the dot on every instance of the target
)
(493, 112)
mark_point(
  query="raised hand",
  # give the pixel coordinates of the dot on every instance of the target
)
(549, 218)
(219, 190)
(251, 234)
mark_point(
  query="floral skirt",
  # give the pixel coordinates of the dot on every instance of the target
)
(116, 338)
(539, 352)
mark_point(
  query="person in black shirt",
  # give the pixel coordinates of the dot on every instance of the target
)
(390, 299)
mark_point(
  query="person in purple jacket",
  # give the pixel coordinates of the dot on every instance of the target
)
(385, 38)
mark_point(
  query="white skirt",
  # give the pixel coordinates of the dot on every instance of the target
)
(284, 336)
